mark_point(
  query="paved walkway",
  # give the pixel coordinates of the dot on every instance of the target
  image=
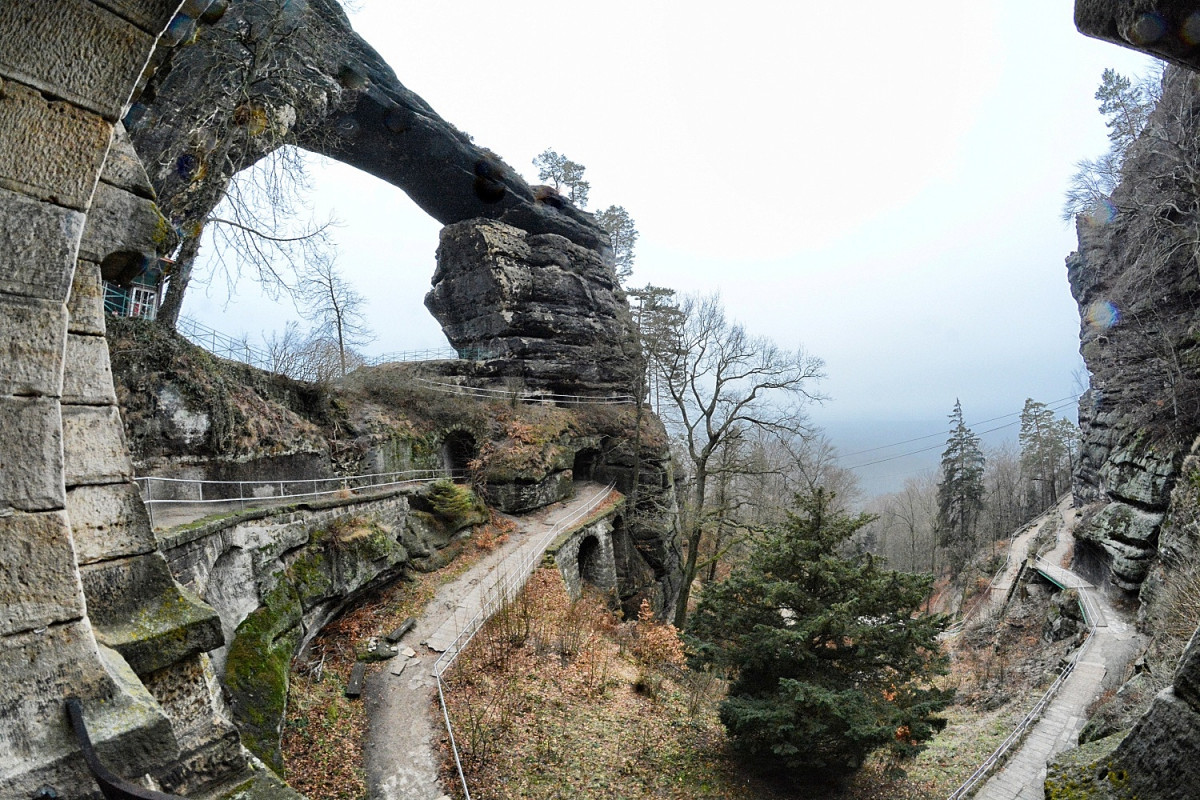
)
(1108, 651)
(404, 722)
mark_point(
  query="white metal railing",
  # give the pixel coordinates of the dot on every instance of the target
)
(1028, 720)
(246, 493)
(524, 397)
(503, 590)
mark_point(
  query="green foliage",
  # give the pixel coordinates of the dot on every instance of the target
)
(961, 490)
(829, 658)
(455, 506)
(1048, 447)
(565, 175)
(623, 234)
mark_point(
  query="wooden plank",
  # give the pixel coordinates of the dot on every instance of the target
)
(404, 628)
(358, 676)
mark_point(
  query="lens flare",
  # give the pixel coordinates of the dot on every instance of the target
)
(1148, 29)
(1103, 314)
(1104, 212)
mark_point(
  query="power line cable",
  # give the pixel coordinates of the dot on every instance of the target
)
(1063, 403)
(943, 433)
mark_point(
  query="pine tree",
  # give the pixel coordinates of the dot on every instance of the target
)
(829, 656)
(961, 490)
(1047, 454)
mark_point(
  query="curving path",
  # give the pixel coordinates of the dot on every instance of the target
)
(1112, 645)
(404, 725)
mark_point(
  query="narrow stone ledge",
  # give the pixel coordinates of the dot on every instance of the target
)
(139, 611)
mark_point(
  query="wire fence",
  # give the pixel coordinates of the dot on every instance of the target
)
(503, 590)
(186, 492)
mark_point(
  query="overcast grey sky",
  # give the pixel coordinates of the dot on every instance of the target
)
(881, 185)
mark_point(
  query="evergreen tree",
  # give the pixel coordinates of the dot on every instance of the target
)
(961, 490)
(1047, 454)
(623, 234)
(565, 175)
(829, 656)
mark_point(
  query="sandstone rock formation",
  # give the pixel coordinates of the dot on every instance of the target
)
(1166, 29)
(297, 72)
(537, 307)
(1135, 280)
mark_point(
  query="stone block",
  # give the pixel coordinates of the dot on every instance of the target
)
(108, 521)
(138, 610)
(38, 585)
(130, 732)
(85, 307)
(120, 221)
(76, 50)
(123, 168)
(88, 378)
(149, 15)
(49, 149)
(94, 446)
(31, 460)
(32, 337)
(37, 243)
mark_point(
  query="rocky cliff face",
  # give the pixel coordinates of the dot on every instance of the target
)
(1135, 279)
(534, 307)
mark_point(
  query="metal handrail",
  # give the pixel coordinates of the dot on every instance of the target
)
(525, 397)
(503, 591)
(1034, 714)
(347, 483)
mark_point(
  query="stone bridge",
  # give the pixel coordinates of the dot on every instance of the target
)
(586, 556)
(88, 606)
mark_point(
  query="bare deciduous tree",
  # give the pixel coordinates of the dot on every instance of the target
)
(722, 381)
(335, 308)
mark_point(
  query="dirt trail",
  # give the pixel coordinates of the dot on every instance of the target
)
(403, 723)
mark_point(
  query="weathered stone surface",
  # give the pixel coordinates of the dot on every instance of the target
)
(49, 149)
(32, 338)
(209, 744)
(585, 556)
(139, 611)
(152, 15)
(108, 521)
(123, 169)
(536, 307)
(1129, 537)
(37, 244)
(85, 305)
(518, 497)
(31, 460)
(1165, 29)
(122, 222)
(88, 378)
(1187, 676)
(94, 445)
(335, 93)
(38, 585)
(127, 727)
(83, 53)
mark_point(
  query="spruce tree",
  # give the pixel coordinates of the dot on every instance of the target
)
(960, 491)
(829, 656)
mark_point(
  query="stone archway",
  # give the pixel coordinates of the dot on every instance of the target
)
(459, 449)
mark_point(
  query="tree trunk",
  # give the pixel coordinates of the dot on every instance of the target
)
(693, 542)
(168, 312)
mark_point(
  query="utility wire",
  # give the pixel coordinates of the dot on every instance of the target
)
(1057, 405)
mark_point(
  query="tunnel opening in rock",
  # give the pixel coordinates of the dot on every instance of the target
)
(584, 465)
(459, 449)
(590, 568)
